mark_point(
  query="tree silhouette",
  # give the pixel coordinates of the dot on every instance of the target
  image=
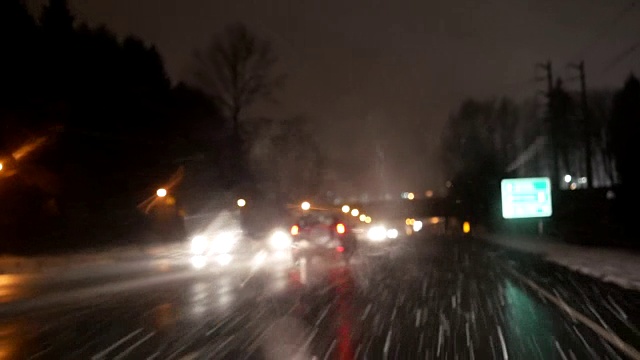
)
(56, 18)
(199, 142)
(475, 143)
(286, 159)
(18, 35)
(625, 128)
(238, 69)
(564, 127)
(624, 131)
(90, 126)
(600, 105)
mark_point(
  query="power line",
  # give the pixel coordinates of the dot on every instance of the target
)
(616, 60)
(504, 89)
(518, 84)
(606, 28)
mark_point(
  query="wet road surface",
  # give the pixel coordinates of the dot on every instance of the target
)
(424, 298)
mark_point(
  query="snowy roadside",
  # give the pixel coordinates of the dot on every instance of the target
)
(618, 266)
(10, 264)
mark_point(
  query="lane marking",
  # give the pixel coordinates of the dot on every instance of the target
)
(253, 345)
(104, 352)
(130, 348)
(505, 354)
(608, 335)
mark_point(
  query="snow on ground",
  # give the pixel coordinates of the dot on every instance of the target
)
(10, 264)
(619, 266)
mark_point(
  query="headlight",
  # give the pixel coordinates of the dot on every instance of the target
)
(223, 259)
(417, 226)
(198, 261)
(223, 243)
(280, 240)
(377, 233)
(199, 245)
(392, 233)
(259, 258)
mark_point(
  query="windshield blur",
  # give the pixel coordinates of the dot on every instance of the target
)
(319, 180)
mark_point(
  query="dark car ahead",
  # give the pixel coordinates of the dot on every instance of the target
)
(322, 233)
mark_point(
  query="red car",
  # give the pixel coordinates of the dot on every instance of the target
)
(321, 233)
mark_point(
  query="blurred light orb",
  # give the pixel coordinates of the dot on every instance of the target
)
(355, 212)
(305, 205)
(162, 192)
(242, 202)
(377, 233)
(345, 208)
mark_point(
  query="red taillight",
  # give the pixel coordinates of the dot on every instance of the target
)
(295, 230)
(340, 229)
(340, 249)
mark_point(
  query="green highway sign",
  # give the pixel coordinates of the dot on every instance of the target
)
(526, 198)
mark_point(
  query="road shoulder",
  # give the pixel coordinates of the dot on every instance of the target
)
(613, 265)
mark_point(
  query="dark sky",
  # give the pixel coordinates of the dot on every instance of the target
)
(392, 69)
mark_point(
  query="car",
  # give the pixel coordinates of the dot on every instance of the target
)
(323, 233)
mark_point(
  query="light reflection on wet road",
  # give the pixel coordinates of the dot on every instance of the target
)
(430, 298)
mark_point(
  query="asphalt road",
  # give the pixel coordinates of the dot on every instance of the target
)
(425, 298)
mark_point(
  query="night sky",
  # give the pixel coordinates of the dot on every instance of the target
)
(392, 70)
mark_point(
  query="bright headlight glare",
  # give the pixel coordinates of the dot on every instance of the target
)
(417, 226)
(280, 240)
(392, 233)
(259, 258)
(198, 244)
(223, 243)
(198, 261)
(223, 259)
(377, 233)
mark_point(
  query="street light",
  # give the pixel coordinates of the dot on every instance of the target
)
(355, 212)
(241, 202)
(411, 196)
(466, 227)
(345, 208)
(162, 192)
(305, 206)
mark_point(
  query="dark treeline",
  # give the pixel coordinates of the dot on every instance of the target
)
(90, 126)
(486, 141)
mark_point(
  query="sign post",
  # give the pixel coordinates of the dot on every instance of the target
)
(524, 198)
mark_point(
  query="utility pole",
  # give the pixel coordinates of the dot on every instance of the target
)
(550, 126)
(380, 168)
(586, 123)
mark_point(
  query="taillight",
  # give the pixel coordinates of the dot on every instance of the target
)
(340, 249)
(340, 229)
(295, 230)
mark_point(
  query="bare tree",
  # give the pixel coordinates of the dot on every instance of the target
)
(238, 70)
(287, 158)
